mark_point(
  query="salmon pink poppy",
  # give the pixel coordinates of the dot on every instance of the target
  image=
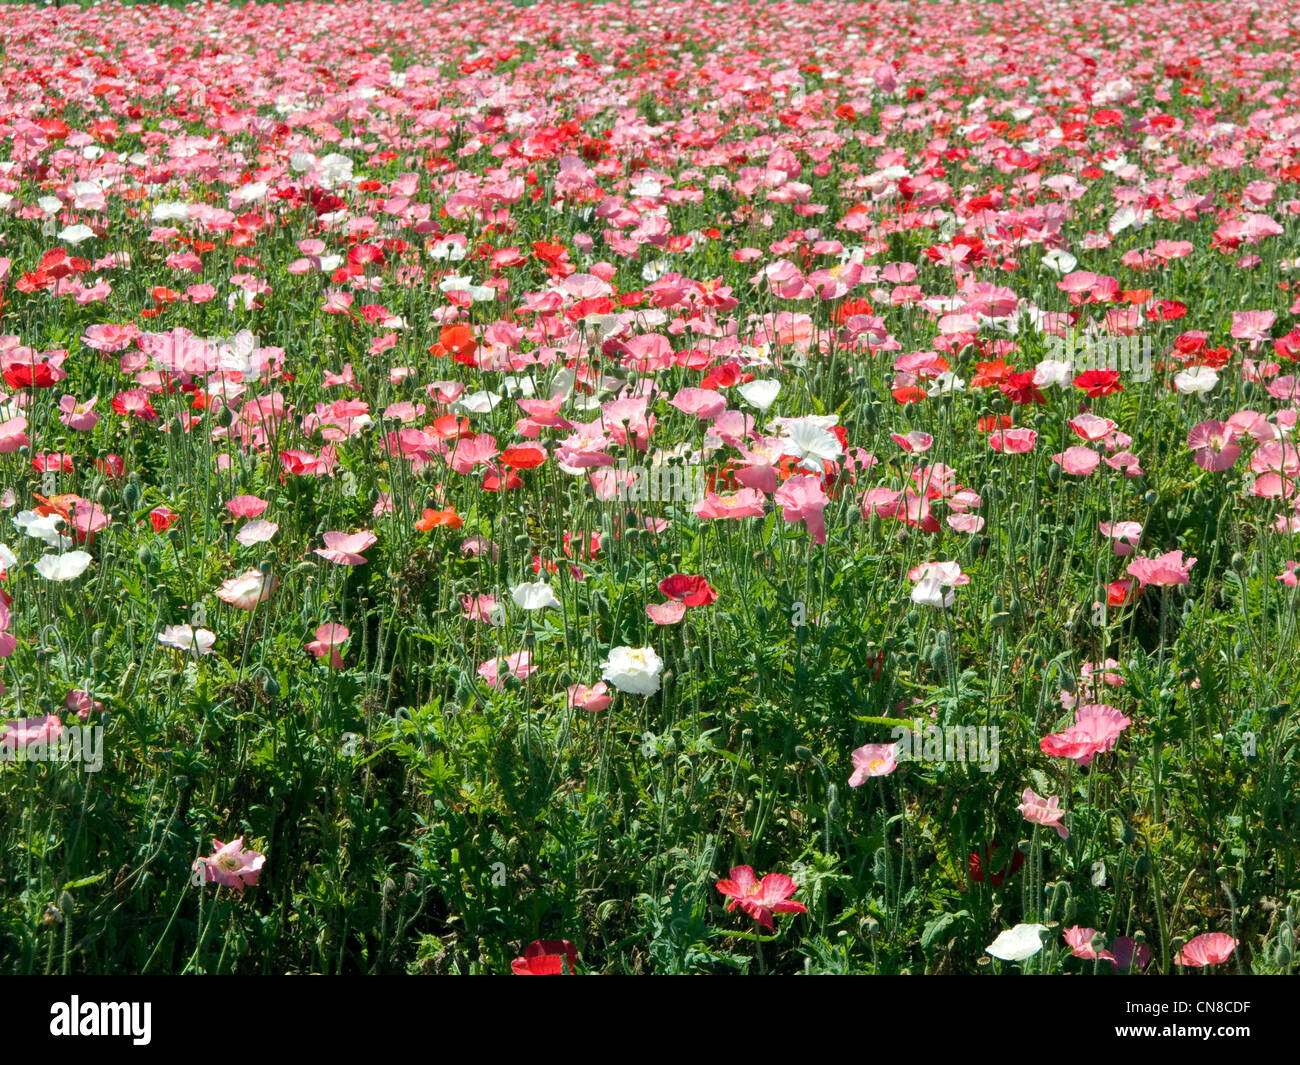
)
(1212, 948)
(1164, 571)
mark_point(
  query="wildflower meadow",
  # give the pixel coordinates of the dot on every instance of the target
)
(650, 488)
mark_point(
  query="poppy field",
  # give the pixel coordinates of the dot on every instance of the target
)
(650, 488)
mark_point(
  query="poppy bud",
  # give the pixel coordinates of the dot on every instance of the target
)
(144, 556)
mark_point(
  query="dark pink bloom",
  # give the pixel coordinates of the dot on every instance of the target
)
(760, 898)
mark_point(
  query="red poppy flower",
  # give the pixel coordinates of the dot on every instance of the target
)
(523, 458)
(547, 957)
(29, 375)
(689, 589)
(1098, 382)
(1020, 388)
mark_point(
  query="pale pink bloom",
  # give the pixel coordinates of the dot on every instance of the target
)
(873, 760)
(1126, 535)
(1013, 441)
(747, 503)
(1208, 949)
(1252, 325)
(1164, 571)
(12, 435)
(966, 523)
(246, 506)
(593, 699)
(669, 613)
(882, 502)
(1079, 940)
(802, 499)
(26, 731)
(1091, 427)
(482, 608)
(1077, 461)
(246, 590)
(82, 703)
(109, 336)
(329, 638)
(470, 451)
(519, 664)
(78, 416)
(257, 531)
(345, 548)
(1043, 811)
(702, 402)
(1288, 576)
(231, 866)
(914, 442)
(479, 545)
(1213, 446)
(1126, 462)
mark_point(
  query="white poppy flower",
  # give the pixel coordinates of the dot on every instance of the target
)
(65, 567)
(1018, 943)
(633, 669)
(535, 596)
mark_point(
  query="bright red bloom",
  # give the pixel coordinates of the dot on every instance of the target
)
(1098, 382)
(1020, 388)
(688, 589)
(546, 957)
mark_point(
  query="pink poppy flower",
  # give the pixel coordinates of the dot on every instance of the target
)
(593, 699)
(1079, 940)
(329, 638)
(1077, 461)
(82, 703)
(246, 590)
(1130, 954)
(78, 416)
(669, 613)
(1165, 571)
(1208, 949)
(1042, 811)
(760, 898)
(1091, 428)
(1126, 535)
(482, 608)
(519, 665)
(873, 760)
(802, 499)
(344, 548)
(1013, 441)
(231, 866)
(1096, 728)
(1253, 326)
(26, 731)
(1212, 443)
(747, 503)
(246, 506)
